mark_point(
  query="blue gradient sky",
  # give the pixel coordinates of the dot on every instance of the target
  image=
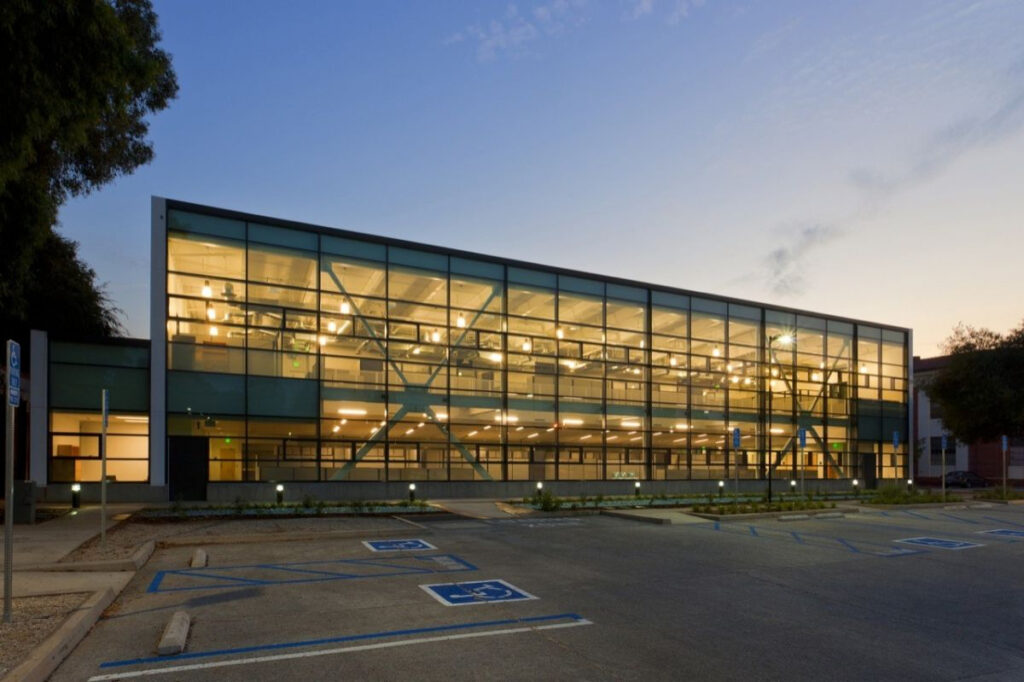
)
(861, 158)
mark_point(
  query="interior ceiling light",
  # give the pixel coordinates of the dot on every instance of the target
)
(435, 336)
(322, 340)
(210, 312)
(527, 346)
(532, 435)
(207, 291)
(715, 352)
(346, 308)
(335, 428)
(495, 357)
(213, 331)
(352, 412)
(332, 326)
(460, 321)
(672, 362)
(559, 333)
(569, 421)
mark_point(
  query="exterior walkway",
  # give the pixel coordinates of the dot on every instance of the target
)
(50, 541)
(474, 509)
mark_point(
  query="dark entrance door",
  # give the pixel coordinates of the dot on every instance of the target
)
(867, 470)
(189, 458)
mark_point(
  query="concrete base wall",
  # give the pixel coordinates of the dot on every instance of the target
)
(116, 492)
(222, 493)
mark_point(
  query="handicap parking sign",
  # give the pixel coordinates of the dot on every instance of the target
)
(476, 592)
(939, 543)
(1004, 533)
(397, 545)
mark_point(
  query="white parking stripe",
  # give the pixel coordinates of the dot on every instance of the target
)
(327, 652)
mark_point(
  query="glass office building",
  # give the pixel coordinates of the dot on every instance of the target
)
(289, 352)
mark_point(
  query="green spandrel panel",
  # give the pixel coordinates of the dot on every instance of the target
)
(277, 397)
(353, 248)
(667, 300)
(281, 236)
(96, 354)
(705, 305)
(890, 336)
(532, 277)
(625, 293)
(418, 259)
(205, 224)
(79, 387)
(580, 286)
(202, 392)
(475, 268)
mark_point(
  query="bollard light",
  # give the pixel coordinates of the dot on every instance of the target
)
(540, 486)
(792, 486)
(636, 488)
(855, 483)
(721, 488)
(280, 493)
(412, 492)
(76, 495)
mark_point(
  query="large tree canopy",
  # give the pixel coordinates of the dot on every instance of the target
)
(78, 79)
(981, 390)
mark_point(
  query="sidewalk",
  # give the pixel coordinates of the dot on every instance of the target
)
(474, 509)
(50, 541)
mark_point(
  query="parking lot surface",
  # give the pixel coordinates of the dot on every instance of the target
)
(930, 594)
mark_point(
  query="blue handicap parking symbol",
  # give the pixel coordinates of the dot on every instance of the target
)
(1005, 533)
(397, 545)
(939, 543)
(476, 592)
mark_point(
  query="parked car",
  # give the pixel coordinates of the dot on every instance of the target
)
(965, 479)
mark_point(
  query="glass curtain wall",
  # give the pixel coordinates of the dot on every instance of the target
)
(302, 355)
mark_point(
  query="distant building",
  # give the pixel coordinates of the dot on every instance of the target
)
(985, 459)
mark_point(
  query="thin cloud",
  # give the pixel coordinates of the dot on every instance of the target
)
(678, 9)
(515, 30)
(785, 263)
(782, 267)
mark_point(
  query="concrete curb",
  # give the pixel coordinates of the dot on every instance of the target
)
(175, 635)
(138, 558)
(248, 538)
(636, 517)
(793, 517)
(45, 658)
(810, 514)
(199, 559)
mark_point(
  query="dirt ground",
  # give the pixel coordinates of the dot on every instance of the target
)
(33, 619)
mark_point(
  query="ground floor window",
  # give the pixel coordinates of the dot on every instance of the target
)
(75, 447)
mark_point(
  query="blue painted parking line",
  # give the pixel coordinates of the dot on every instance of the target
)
(1004, 521)
(529, 620)
(1004, 532)
(940, 543)
(803, 539)
(310, 571)
(476, 592)
(959, 518)
(397, 545)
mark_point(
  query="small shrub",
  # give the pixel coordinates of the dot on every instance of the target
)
(549, 502)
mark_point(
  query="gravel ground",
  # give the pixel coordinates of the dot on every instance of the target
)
(33, 619)
(125, 538)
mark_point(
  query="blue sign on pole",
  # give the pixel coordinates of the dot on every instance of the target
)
(944, 441)
(476, 592)
(895, 440)
(1006, 443)
(736, 438)
(13, 373)
(803, 437)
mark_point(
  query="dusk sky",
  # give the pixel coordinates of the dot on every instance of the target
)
(862, 158)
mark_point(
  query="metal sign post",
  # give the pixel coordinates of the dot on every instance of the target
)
(803, 461)
(105, 405)
(736, 459)
(943, 467)
(1006, 443)
(13, 393)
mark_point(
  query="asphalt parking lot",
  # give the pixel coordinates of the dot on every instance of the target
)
(929, 594)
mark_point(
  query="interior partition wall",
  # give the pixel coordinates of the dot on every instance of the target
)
(304, 353)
